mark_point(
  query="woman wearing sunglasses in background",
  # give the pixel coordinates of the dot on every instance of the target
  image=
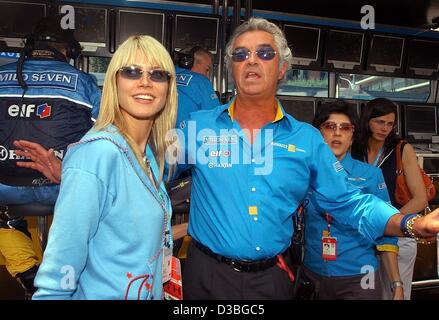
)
(376, 145)
(111, 228)
(340, 262)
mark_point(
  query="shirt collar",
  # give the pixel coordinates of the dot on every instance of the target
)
(347, 162)
(231, 109)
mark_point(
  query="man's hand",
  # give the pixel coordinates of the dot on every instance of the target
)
(427, 226)
(43, 160)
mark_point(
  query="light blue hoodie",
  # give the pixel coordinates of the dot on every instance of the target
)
(109, 225)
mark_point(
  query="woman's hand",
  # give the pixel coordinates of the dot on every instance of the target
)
(43, 160)
(398, 293)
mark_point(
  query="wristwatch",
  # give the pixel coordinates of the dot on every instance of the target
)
(396, 284)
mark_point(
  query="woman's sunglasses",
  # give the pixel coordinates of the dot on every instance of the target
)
(332, 126)
(241, 54)
(136, 73)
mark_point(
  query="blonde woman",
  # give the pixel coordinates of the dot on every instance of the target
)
(111, 227)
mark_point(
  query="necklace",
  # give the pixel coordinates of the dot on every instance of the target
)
(149, 171)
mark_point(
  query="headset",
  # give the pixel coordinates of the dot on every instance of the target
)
(48, 30)
(185, 58)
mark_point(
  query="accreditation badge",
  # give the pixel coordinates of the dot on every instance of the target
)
(167, 267)
(173, 289)
(329, 248)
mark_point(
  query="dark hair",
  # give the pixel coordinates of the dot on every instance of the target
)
(48, 31)
(375, 108)
(340, 106)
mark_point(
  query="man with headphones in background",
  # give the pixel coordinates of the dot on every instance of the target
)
(203, 61)
(195, 92)
(46, 100)
(193, 67)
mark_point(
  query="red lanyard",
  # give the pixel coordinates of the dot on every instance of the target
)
(329, 221)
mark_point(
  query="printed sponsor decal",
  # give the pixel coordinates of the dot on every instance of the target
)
(220, 153)
(44, 111)
(289, 147)
(183, 79)
(47, 79)
(337, 166)
(382, 186)
(212, 165)
(226, 139)
(28, 110)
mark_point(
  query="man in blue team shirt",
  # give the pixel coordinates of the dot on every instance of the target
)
(53, 104)
(195, 92)
(252, 165)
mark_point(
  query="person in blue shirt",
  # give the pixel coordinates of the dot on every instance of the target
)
(55, 104)
(252, 165)
(110, 237)
(341, 263)
(195, 92)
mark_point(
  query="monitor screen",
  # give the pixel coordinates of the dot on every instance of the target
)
(91, 25)
(420, 123)
(97, 67)
(423, 56)
(302, 110)
(303, 41)
(385, 53)
(17, 19)
(137, 22)
(354, 106)
(191, 31)
(431, 165)
(344, 49)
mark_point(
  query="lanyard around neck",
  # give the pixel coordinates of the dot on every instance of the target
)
(378, 157)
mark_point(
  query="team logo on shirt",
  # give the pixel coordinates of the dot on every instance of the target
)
(4, 153)
(289, 147)
(44, 111)
(223, 139)
(220, 153)
(382, 186)
(30, 111)
(183, 79)
(337, 166)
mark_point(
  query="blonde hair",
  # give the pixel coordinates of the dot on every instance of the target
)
(110, 113)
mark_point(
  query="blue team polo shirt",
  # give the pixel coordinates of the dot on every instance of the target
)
(243, 195)
(195, 92)
(355, 254)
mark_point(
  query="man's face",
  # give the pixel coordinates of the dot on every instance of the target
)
(257, 77)
(203, 65)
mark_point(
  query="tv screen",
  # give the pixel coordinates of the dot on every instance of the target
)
(385, 53)
(190, 31)
(344, 49)
(423, 56)
(17, 19)
(354, 106)
(420, 123)
(91, 25)
(431, 165)
(302, 110)
(303, 41)
(141, 23)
